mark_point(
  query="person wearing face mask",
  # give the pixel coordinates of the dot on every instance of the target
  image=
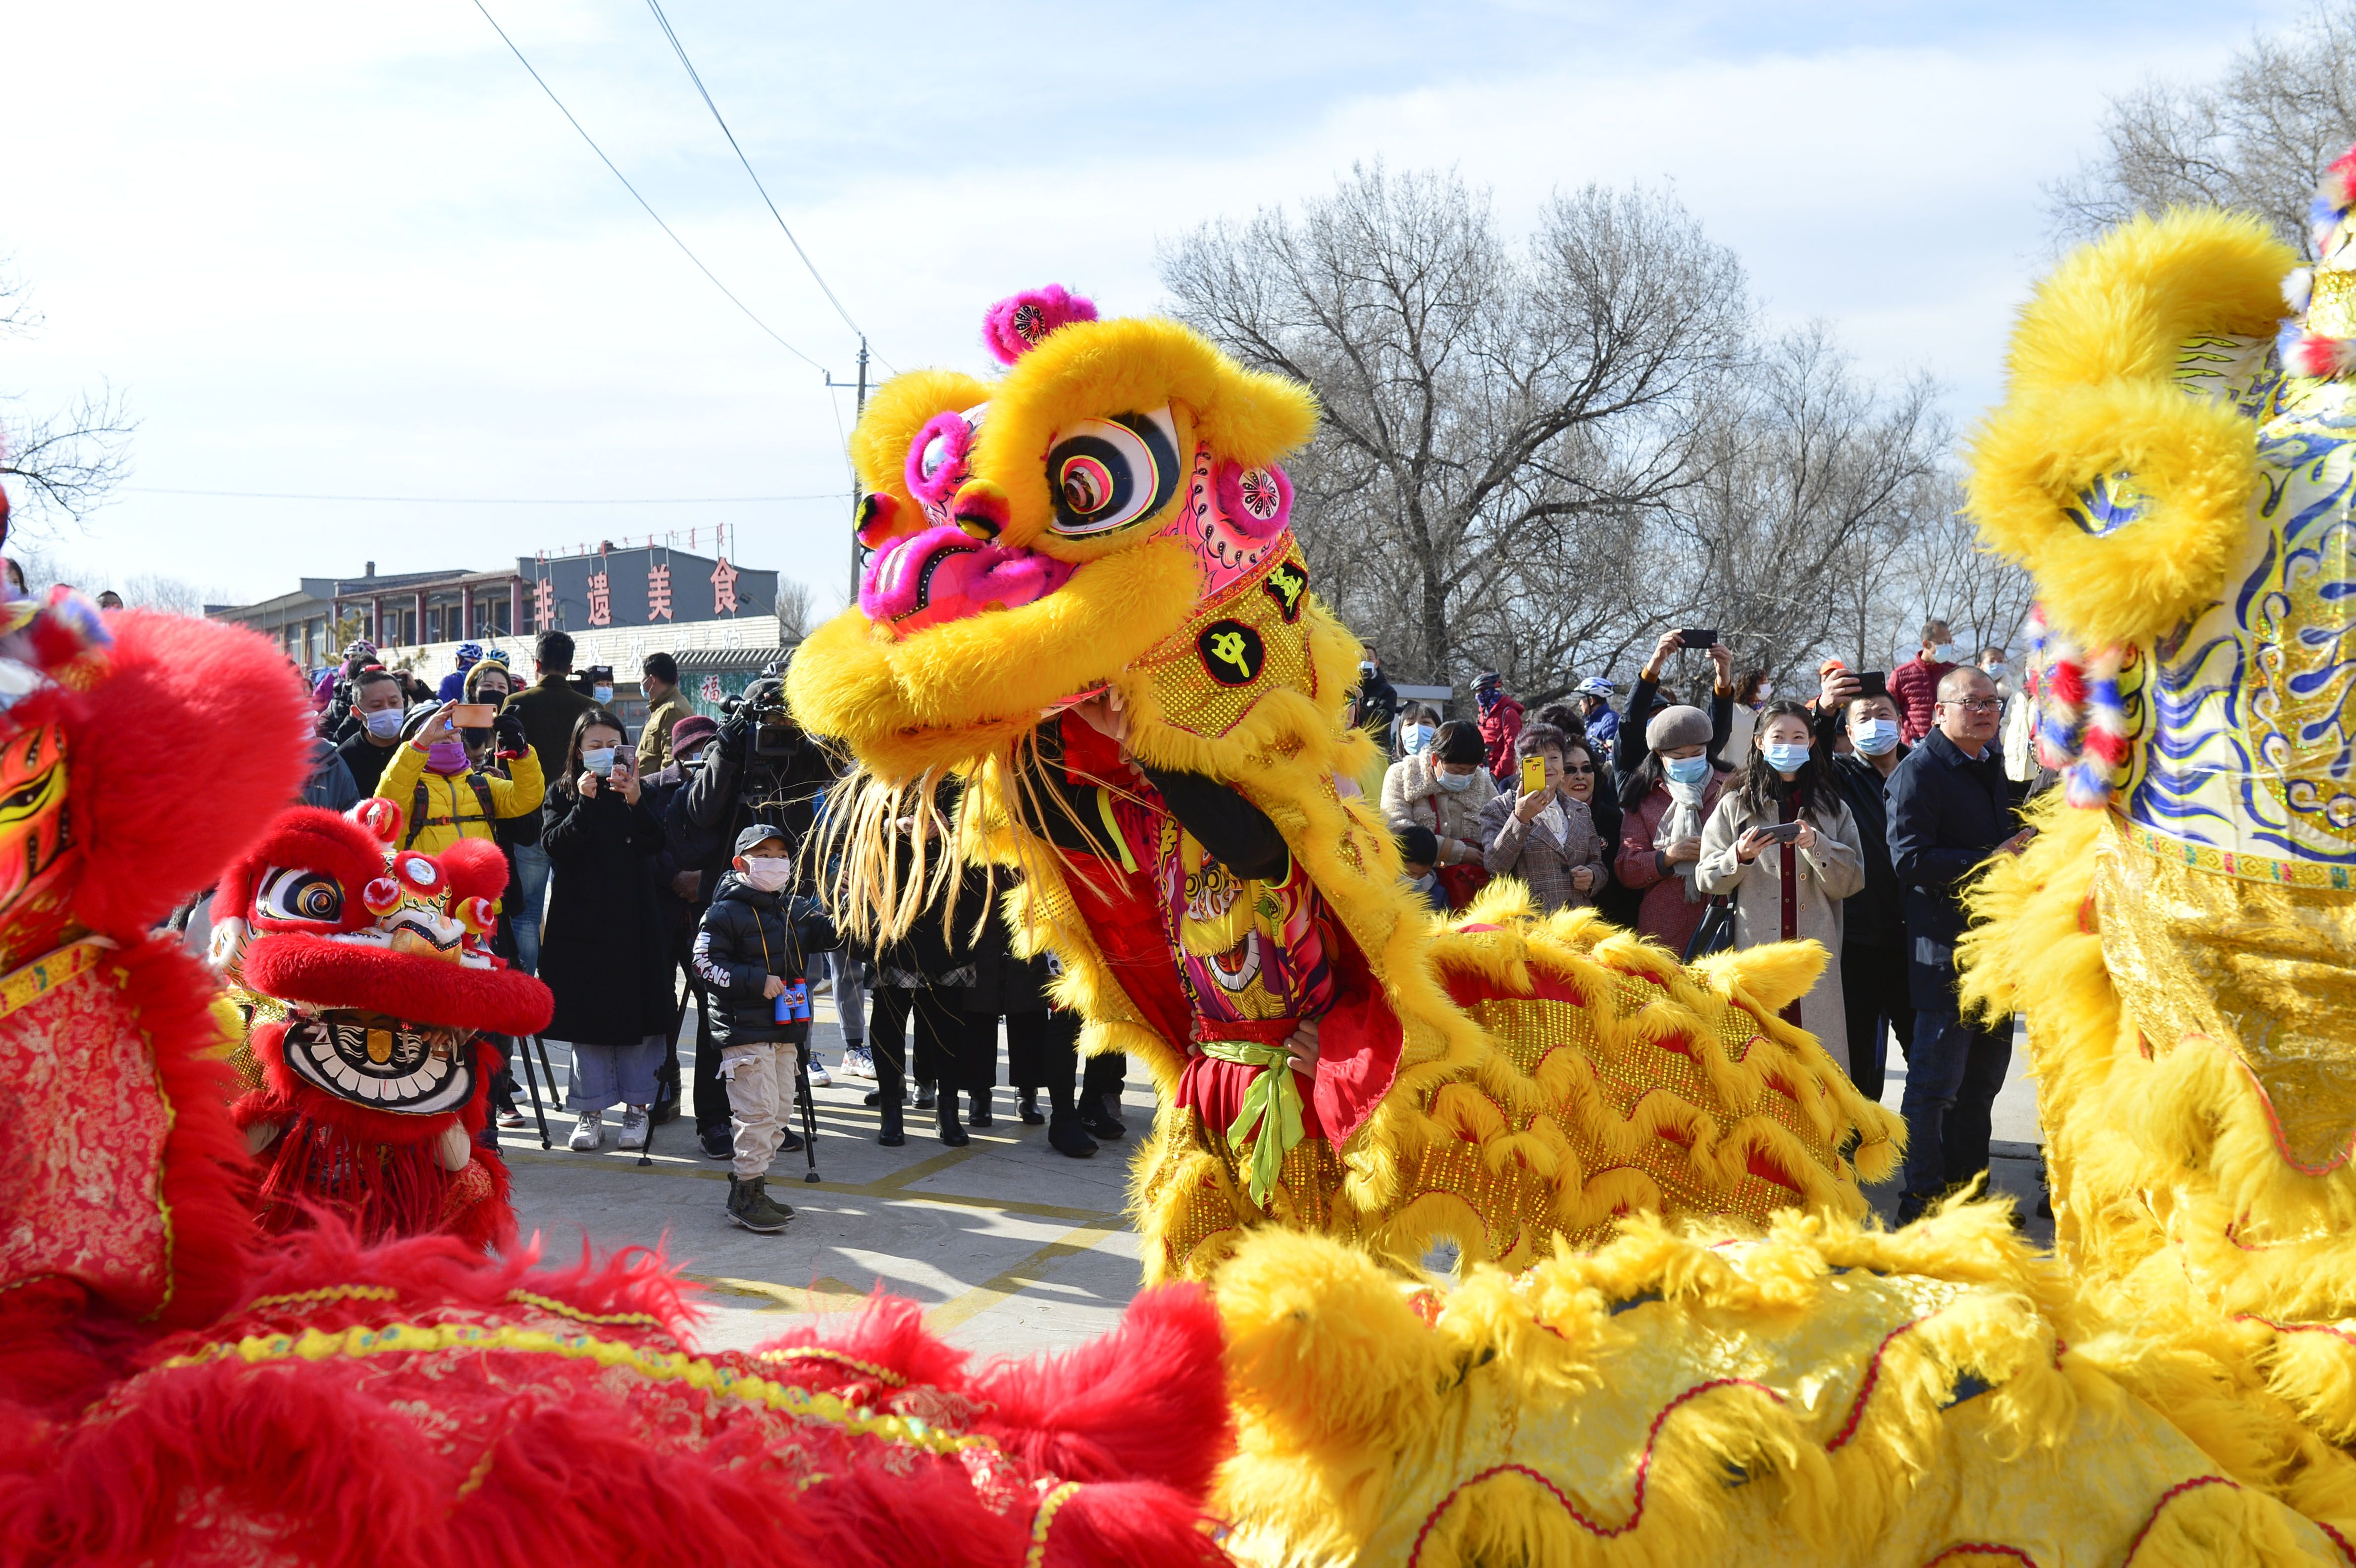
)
(604, 952)
(1752, 692)
(1444, 789)
(1418, 853)
(1419, 726)
(380, 707)
(1375, 706)
(1546, 837)
(2017, 731)
(1915, 683)
(1874, 985)
(752, 949)
(1664, 805)
(1788, 889)
(446, 781)
(549, 709)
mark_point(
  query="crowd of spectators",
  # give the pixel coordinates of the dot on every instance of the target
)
(1850, 816)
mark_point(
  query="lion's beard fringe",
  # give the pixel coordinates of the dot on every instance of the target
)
(887, 851)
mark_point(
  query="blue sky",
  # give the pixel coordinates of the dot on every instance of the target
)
(351, 250)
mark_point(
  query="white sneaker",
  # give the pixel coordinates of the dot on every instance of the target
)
(634, 1127)
(857, 1063)
(587, 1133)
(818, 1077)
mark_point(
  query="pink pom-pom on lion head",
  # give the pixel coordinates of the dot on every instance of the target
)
(1017, 325)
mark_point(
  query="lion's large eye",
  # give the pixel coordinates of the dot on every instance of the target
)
(1108, 473)
(296, 894)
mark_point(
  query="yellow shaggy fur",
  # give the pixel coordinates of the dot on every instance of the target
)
(2091, 398)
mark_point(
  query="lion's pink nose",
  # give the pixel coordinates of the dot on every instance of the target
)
(945, 574)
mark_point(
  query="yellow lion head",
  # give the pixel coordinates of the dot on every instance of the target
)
(1108, 514)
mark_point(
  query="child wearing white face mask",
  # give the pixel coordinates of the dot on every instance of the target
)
(752, 949)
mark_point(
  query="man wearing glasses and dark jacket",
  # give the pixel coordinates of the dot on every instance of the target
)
(1950, 809)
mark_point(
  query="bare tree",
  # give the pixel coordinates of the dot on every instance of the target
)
(64, 463)
(2257, 137)
(793, 610)
(1808, 481)
(1501, 423)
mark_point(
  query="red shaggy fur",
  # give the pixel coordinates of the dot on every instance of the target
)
(146, 843)
(327, 1459)
(325, 973)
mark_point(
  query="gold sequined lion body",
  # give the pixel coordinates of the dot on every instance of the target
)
(1107, 525)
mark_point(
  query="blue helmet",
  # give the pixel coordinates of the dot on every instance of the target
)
(470, 655)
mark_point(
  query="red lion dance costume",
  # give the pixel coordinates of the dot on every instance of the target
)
(178, 1388)
(371, 972)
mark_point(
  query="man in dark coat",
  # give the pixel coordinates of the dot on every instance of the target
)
(1950, 809)
(1877, 993)
(679, 901)
(1375, 706)
(755, 772)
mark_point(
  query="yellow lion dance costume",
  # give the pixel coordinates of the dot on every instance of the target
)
(1108, 523)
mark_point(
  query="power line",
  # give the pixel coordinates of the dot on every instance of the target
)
(496, 500)
(694, 76)
(641, 200)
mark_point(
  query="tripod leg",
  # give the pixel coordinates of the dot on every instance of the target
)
(540, 1044)
(532, 1080)
(808, 1109)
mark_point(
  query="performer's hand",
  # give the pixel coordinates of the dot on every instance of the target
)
(1104, 715)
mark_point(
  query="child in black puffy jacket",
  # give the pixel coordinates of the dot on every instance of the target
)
(753, 951)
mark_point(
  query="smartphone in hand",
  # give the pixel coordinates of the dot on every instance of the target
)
(1781, 832)
(1701, 639)
(1532, 773)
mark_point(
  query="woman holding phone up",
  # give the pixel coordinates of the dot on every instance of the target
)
(1783, 844)
(604, 950)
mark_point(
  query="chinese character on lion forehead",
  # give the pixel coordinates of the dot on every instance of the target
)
(1086, 610)
(2174, 465)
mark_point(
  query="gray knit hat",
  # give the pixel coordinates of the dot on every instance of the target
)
(1675, 727)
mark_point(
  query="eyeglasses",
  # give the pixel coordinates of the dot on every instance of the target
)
(1976, 704)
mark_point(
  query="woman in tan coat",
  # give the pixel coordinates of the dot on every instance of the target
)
(1444, 789)
(1544, 836)
(1787, 886)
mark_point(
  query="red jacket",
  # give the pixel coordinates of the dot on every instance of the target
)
(1915, 686)
(1501, 726)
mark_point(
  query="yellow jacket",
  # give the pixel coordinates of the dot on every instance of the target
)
(453, 807)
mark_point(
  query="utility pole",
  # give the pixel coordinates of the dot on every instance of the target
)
(859, 408)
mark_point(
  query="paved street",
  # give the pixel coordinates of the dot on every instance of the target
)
(1012, 1247)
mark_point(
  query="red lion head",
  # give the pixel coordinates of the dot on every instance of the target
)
(380, 957)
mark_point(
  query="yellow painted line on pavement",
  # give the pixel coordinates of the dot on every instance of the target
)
(888, 1190)
(1011, 1281)
(825, 1295)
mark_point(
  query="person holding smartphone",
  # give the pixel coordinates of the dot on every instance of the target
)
(1784, 846)
(1543, 834)
(603, 952)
